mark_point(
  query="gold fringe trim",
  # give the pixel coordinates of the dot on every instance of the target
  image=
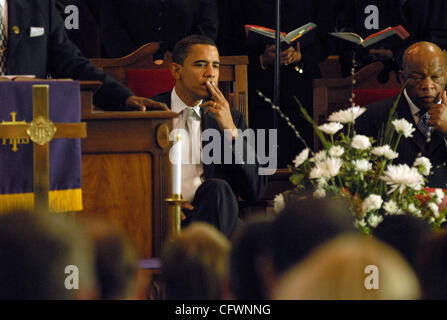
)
(60, 201)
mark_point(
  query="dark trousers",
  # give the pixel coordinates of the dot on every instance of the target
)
(216, 204)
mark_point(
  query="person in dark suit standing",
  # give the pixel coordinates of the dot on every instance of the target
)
(127, 25)
(35, 43)
(87, 36)
(424, 71)
(211, 188)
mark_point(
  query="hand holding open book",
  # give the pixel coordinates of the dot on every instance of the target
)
(288, 56)
(257, 36)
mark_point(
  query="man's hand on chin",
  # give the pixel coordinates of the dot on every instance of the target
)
(438, 115)
(143, 104)
(220, 107)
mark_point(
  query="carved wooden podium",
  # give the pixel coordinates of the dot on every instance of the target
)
(126, 171)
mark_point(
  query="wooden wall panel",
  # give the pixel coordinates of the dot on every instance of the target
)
(118, 187)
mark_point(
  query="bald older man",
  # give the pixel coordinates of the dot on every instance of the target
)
(424, 104)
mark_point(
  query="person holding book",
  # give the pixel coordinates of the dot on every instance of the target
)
(354, 16)
(423, 104)
(424, 21)
(299, 64)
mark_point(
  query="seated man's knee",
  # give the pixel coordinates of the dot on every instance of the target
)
(218, 185)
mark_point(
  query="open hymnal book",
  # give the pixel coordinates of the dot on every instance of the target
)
(257, 36)
(398, 32)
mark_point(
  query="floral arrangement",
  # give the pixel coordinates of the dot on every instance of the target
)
(361, 170)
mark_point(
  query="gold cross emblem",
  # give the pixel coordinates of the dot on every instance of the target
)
(14, 141)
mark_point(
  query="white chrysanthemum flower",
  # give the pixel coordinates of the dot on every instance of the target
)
(415, 211)
(360, 223)
(317, 172)
(278, 203)
(374, 220)
(439, 196)
(322, 183)
(332, 166)
(385, 151)
(401, 176)
(391, 207)
(372, 202)
(299, 160)
(424, 164)
(319, 194)
(390, 154)
(362, 165)
(360, 142)
(346, 116)
(331, 128)
(434, 208)
(403, 127)
(336, 151)
(326, 169)
(319, 156)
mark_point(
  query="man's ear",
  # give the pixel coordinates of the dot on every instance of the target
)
(402, 78)
(176, 70)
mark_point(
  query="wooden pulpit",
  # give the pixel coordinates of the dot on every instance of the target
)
(126, 171)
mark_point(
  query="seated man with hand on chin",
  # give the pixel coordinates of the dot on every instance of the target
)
(211, 188)
(423, 104)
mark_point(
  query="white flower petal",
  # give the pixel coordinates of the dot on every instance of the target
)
(362, 165)
(331, 128)
(299, 160)
(403, 127)
(402, 176)
(361, 142)
(319, 194)
(372, 202)
(278, 203)
(336, 151)
(424, 164)
(374, 220)
(347, 116)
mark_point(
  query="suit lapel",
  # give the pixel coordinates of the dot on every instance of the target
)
(403, 110)
(19, 15)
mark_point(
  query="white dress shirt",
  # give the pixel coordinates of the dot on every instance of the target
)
(192, 168)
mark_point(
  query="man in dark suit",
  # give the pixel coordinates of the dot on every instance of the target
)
(424, 71)
(36, 44)
(299, 65)
(211, 187)
(127, 25)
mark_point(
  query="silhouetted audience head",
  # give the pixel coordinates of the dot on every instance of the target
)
(350, 267)
(431, 266)
(115, 260)
(251, 266)
(303, 225)
(195, 264)
(404, 233)
(44, 257)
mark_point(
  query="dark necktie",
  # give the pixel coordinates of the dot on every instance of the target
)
(423, 124)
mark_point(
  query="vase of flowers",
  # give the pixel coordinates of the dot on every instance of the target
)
(361, 170)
